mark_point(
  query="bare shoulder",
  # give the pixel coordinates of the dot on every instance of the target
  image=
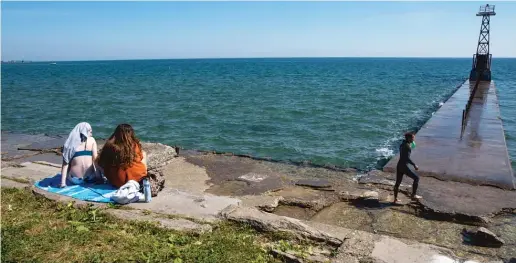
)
(91, 141)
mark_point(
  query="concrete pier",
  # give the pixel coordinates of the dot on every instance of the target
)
(480, 157)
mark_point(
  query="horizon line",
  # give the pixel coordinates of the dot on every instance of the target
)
(221, 58)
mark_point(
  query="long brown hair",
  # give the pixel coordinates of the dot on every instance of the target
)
(120, 149)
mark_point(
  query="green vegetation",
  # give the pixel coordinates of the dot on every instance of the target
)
(38, 230)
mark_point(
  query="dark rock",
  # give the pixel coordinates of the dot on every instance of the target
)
(367, 198)
(317, 259)
(46, 144)
(241, 187)
(285, 257)
(314, 183)
(482, 237)
(349, 196)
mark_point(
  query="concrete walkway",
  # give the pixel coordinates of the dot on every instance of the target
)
(480, 157)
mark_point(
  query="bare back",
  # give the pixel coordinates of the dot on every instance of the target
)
(82, 163)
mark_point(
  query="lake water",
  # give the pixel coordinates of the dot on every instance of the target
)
(348, 112)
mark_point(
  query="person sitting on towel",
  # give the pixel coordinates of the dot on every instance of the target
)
(79, 155)
(122, 158)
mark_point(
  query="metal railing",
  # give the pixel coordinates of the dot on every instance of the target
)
(486, 9)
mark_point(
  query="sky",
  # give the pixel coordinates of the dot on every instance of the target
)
(58, 31)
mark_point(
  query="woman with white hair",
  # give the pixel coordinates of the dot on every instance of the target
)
(79, 155)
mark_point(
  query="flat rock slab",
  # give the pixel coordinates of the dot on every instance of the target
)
(158, 154)
(306, 197)
(314, 183)
(175, 202)
(241, 188)
(48, 164)
(180, 174)
(273, 223)
(178, 224)
(450, 197)
(30, 171)
(6, 164)
(263, 202)
(461, 198)
(46, 157)
(354, 245)
(222, 168)
(390, 250)
(253, 177)
(6, 183)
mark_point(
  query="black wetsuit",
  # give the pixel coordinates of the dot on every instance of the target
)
(402, 167)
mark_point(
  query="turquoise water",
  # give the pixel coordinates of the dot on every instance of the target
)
(349, 112)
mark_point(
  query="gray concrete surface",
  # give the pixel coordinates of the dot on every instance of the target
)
(184, 203)
(480, 157)
(205, 207)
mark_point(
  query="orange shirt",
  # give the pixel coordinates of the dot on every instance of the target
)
(118, 176)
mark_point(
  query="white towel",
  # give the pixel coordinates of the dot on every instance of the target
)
(74, 139)
(128, 193)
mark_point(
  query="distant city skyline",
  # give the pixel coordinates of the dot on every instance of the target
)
(74, 31)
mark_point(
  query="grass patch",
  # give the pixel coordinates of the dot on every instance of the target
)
(38, 230)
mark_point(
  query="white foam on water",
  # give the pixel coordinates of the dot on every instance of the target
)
(385, 152)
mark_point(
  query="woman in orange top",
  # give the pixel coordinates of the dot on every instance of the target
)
(122, 158)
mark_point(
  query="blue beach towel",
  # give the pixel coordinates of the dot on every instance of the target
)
(87, 191)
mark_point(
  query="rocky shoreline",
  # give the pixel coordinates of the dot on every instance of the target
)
(348, 214)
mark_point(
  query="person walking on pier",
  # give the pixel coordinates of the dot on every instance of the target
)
(402, 167)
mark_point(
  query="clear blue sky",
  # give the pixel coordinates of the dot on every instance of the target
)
(147, 30)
